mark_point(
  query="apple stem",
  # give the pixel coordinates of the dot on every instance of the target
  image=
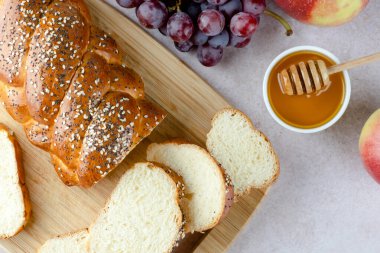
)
(280, 19)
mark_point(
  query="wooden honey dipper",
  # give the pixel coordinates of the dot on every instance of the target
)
(312, 76)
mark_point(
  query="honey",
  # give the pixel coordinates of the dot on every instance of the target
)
(306, 111)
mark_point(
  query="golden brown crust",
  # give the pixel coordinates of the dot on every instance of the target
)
(109, 137)
(78, 107)
(65, 68)
(21, 176)
(67, 175)
(124, 79)
(105, 46)
(150, 117)
(274, 178)
(174, 176)
(229, 192)
(14, 100)
(38, 134)
(17, 25)
(56, 50)
(183, 204)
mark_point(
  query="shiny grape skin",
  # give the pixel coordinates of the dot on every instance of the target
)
(211, 22)
(185, 46)
(209, 56)
(231, 8)
(220, 40)
(199, 38)
(180, 27)
(239, 42)
(255, 7)
(243, 24)
(152, 14)
(129, 3)
(217, 2)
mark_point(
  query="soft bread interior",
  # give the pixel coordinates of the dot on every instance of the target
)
(71, 243)
(244, 152)
(12, 207)
(204, 181)
(142, 215)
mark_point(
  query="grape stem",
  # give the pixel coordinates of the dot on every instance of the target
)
(280, 19)
(178, 5)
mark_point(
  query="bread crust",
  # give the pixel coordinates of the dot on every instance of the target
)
(21, 176)
(51, 64)
(66, 236)
(56, 69)
(181, 188)
(227, 184)
(253, 128)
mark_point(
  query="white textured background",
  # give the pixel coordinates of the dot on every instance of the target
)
(324, 201)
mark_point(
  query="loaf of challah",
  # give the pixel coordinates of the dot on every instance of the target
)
(64, 80)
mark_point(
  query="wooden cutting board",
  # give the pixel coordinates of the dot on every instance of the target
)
(191, 103)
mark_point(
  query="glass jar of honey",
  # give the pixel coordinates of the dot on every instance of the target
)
(306, 113)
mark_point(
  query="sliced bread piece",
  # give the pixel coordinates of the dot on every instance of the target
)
(243, 151)
(142, 215)
(14, 198)
(69, 243)
(208, 190)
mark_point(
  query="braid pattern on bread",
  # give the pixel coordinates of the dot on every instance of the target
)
(64, 80)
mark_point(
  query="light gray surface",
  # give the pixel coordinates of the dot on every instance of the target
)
(324, 201)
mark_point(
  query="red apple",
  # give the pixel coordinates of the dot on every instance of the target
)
(323, 12)
(369, 145)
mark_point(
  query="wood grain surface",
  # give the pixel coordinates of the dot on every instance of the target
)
(190, 102)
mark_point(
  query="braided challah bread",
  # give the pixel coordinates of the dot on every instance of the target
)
(64, 80)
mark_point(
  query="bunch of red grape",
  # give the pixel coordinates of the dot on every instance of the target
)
(208, 25)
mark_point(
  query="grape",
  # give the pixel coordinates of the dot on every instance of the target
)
(152, 13)
(193, 10)
(211, 22)
(164, 29)
(208, 6)
(184, 46)
(217, 2)
(129, 3)
(199, 38)
(209, 56)
(198, 1)
(231, 8)
(255, 7)
(180, 27)
(243, 24)
(220, 40)
(239, 42)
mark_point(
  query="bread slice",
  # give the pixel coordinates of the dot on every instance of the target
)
(143, 213)
(69, 243)
(243, 151)
(14, 198)
(208, 190)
